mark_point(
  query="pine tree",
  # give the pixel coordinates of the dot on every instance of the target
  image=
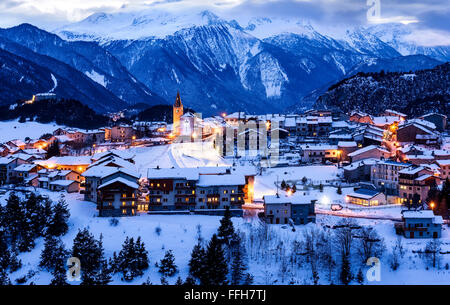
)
(59, 275)
(226, 229)
(142, 257)
(360, 277)
(164, 281)
(190, 281)
(13, 217)
(321, 187)
(89, 251)
(53, 249)
(339, 190)
(239, 265)
(104, 275)
(167, 265)
(294, 188)
(248, 280)
(283, 185)
(4, 279)
(197, 262)
(216, 266)
(179, 281)
(346, 274)
(132, 259)
(58, 225)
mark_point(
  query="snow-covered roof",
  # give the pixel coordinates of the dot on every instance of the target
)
(63, 182)
(318, 147)
(418, 214)
(443, 162)
(366, 149)
(296, 198)
(395, 112)
(25, 167)
(173, 173)
(121, 180)
(358, 164)
(60, 173)
(66, 160)
(124, 154)
(411, 170)
(115, 160)
(364, 194)
(385, 120)
(423, 177)
(347, 144)
(7, 160)
(105, 171)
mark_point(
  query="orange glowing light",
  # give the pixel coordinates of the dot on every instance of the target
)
(432, 205)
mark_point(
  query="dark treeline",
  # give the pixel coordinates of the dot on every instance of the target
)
(65, 112)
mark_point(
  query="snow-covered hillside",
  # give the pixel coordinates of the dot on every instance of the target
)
(10, 130)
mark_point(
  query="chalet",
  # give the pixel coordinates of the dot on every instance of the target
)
(417, 132)
(118, 196)
(4, 150)
(37, 153)
(346, 147)
(281, 209)
(438, 119)
(199, 188)
(361, 117)
(122, 133)
(366, 197)
(444, 168)
(420, 224)
(98, 175)
(368, 152)
(384, 122)
(75, 163)
(27, 173)
(7, 166)
(313, 126)
(69, 186)
(359, 170)
(416, 181)
(384, 175)
(16, 144)
(320, 153)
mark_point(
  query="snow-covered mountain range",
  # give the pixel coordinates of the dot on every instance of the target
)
(255, 65)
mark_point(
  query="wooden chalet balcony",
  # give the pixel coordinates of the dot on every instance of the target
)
(184, 187)
(185, 195)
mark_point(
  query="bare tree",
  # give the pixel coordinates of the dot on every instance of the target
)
(370, 244)
(312, 253)
(344, 236)
(326, 254)
(432, 253)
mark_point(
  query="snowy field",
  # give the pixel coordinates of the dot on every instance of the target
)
(11, 130)
(178, 233)
(176, 155)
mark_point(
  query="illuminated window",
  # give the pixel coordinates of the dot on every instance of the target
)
(124, 203)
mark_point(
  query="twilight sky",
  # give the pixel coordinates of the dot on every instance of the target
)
(430, 17)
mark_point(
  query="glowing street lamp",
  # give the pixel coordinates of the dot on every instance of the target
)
(432, 205)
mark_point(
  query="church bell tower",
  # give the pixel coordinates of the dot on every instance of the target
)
(177, 113)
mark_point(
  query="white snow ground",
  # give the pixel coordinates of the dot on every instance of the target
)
(178, 233)
(10, 130)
